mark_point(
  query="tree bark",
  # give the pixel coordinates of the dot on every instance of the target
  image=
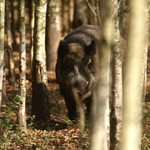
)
(133, 76)
(11, 64)
(22, 107)
(2, 25)
(53, 32)
(66, 16)
(32, 12)
(100, 131)
(14, 23)
(93, 12)
(40, 106)
(116, 102)
(80, 13)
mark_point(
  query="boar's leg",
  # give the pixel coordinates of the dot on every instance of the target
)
(88, 102)
(71, 106)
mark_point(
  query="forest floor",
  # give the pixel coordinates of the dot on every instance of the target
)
(58, 133)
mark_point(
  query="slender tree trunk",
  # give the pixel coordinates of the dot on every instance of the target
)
(65, 16)
(2, 25)
(100, 131)
(71, 12)
(30, 30)
(40, 106)
(133, 76)
(14, 23)
(93, 11)
(80, 13)
(22, 113)
(53, 32)
(147, 17)
(116, 102)
(11, 65)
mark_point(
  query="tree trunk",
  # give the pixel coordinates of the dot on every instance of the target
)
(31, 29)
(80, 13)
(39, 76)
(93, 12)
(14, 23)
(2, 25)
(53, 32)
(11, 65)
(133, 76)
(65, 14)
(116, 102)
(147, 17)
(101, 127)
(22, 107)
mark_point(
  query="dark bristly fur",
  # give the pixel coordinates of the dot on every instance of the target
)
(76, 66)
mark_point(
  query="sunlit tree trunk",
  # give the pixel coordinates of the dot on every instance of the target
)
(32, 11)
(22, 113)
(147, 17)
(133, 76)
(39, 75)
(53, 32)
(100, 131)
(2, 25)
(71, 12)
(116, 101)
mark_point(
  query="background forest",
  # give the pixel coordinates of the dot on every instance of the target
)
(33, 114)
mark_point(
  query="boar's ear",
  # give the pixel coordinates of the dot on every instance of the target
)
(62, 49)
(91, 48)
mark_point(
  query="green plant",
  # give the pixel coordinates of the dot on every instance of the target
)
(31, 122)
(67, 121)
(145, 142)
(8, 120)
(45, 139)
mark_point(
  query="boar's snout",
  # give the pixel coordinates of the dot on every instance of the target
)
(80, 82)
